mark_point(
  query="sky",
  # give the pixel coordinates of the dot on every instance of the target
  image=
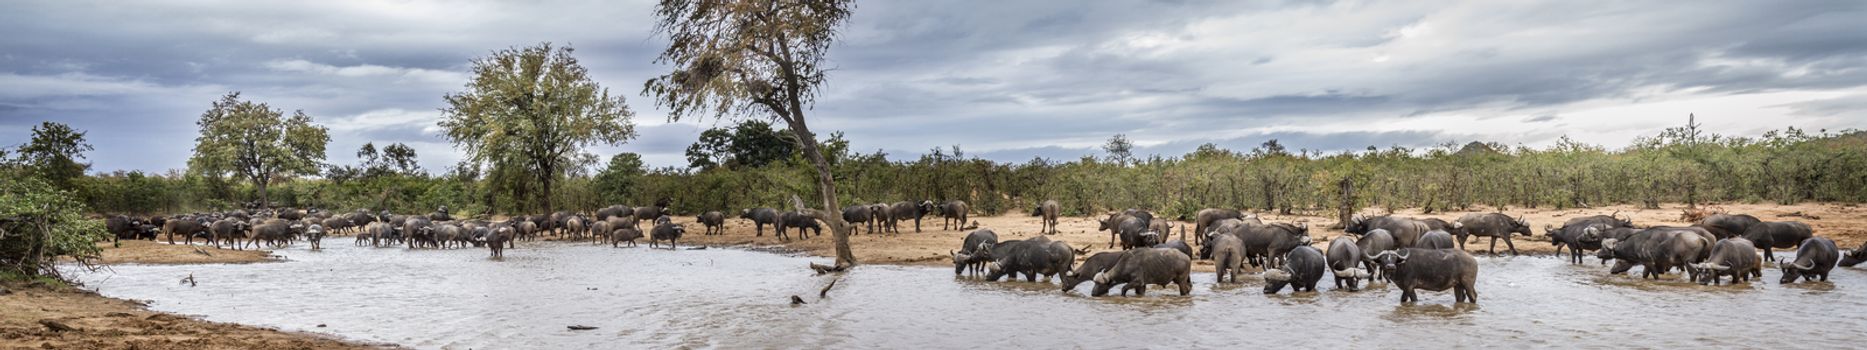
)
(1008, 80)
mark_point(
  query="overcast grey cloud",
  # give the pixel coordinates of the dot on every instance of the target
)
(1006, 80)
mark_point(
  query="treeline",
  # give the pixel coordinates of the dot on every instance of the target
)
(1677, 165)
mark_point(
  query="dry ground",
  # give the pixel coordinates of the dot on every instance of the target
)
(1845, 223)
(98, 322)
(147, 252)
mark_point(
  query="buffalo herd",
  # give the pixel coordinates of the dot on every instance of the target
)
(1408, 253)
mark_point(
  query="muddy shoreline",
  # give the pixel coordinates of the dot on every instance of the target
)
(40, 316)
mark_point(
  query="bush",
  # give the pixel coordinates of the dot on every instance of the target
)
(39, 224)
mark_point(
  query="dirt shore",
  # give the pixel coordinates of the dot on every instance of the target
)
(1845, 223)
(148, 252)
(30, 312)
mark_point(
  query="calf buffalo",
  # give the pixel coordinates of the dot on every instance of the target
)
(1813, 261)
(1137, 268)
(1435, 270)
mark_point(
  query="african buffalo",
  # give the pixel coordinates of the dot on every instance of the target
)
(1727, 225)
(1375, 242)
(1435, 270)
(902, 211)
(670, 232)
(1813, 261)
(1032, 257)
(1734, 256)
(859, 214)
(956, 211)
(760, 217)
(799, 221)
(1404, 230)
(1436, 239)
(974, 251)
(1855, 257)
(1345, 262)
(1227, 253)
(1137, 268)
(1658, 249)
(1494, 225)
(714, 221)
(1049, 210)
(1785, 234)
(1090, 267)
(1304, 267)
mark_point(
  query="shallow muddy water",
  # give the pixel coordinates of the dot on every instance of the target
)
(637, 297)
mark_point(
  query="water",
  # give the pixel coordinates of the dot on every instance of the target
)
(726, 298)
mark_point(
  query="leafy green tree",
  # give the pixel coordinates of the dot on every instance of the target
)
(754, 59)
(40, 223)
(752, 143)
(255, 142)
(529, 113)
(54, 154)
(620, 180)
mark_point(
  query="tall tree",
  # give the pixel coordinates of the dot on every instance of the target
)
(54, 154)
(752, 143)
(754, 59)
(256, 142)
(532, 110)
(1121, 151)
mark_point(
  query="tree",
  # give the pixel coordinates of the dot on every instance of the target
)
(39, 224)
(54, 152)
(532, 111)
(1121, 151)
(754, 58)
(620, 180)
(752, 143)
(256, 142)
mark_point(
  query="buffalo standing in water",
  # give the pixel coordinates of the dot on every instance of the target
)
(1228, 255)
(1137, 268)
(974, 251)
(1813, 261)
(1855, 257)
(1032, 257)
(1345, 263)
(1373, 245)
(670, 232)
(1090, 267)
(1572, 234)
(1733, 256)
(1303, 267)
(1658, 249)
(1436, 239)
(1435, 270)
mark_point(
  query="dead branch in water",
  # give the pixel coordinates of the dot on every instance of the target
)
(826, 289)
(823, 269)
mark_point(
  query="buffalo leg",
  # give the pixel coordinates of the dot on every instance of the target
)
(1513, 246)
(1493, 249)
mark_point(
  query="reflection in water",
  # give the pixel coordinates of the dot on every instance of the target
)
(739, 299)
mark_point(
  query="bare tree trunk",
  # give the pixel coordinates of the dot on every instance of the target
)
(260, 183)
(826, 187)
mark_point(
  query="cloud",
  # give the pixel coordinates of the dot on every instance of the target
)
(1025, 79)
